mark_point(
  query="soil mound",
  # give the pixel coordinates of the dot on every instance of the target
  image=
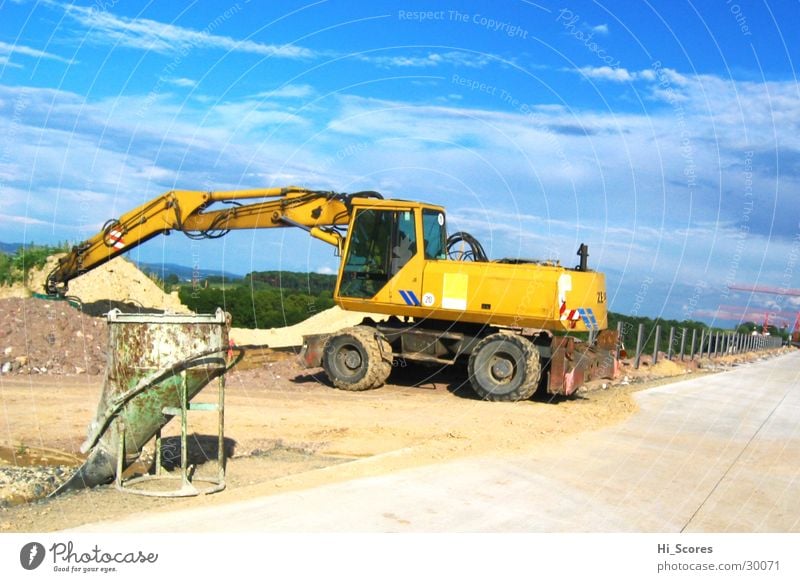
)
(39, 336)
(116, 284)
(327, 321)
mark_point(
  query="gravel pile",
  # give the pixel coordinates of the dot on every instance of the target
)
(22, 484)
(38, 336)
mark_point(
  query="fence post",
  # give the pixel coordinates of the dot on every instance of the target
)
(691, 347)
(619, 339)
(639, 335)
(700, 346)
(671, 339)
(683, 341)
(655, 344)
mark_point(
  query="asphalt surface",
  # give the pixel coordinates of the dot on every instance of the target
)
(717, 453)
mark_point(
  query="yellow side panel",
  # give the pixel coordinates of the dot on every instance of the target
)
(454, 290)
(525, 295)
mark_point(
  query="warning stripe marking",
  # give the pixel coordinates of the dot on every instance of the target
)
(115, 238)
(575, 315)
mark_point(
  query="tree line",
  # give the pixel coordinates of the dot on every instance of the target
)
(263, 301)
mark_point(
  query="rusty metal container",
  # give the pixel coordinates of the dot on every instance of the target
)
(150, 358)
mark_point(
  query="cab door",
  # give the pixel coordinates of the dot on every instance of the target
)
(380, 258)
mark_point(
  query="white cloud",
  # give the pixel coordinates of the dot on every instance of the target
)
(180, 82)
(288, 92)
(600, 29)
(5, 62)
(7, 50)
(151, 35)
(451, 58)
(616, 74)
(540, 181)
(26, 220)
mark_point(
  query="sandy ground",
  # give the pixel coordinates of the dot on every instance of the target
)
(287, 429)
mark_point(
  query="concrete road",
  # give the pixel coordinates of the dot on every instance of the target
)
(718, 453)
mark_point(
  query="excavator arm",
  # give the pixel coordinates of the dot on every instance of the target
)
(191, 212)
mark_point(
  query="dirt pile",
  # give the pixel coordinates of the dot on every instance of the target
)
(38, 336)
(327, 321)
(116, 284)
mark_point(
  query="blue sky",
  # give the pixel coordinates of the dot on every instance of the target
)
(666, 135)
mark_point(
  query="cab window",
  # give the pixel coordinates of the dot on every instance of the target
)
(435, 234)
(381, 243)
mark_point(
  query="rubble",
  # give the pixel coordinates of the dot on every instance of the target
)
(39, 336)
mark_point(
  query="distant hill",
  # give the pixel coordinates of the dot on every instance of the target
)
(163, 270)
(185, 273)
(9, 248)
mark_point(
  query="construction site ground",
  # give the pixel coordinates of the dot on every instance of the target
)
(286, 428)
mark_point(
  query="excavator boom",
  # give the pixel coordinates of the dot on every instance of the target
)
(190, 212)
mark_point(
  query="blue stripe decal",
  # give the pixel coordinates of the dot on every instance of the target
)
(584, 317)
(405, 297)
(592, 318)
(413, 297)
(588, 318)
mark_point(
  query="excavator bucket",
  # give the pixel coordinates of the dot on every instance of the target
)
(150, 358)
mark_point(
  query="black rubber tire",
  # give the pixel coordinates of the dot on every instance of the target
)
(504, 368)
(357, 358)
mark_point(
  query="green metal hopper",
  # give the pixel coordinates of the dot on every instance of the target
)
(149, 358)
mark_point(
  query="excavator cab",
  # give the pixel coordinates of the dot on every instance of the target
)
(387, 245)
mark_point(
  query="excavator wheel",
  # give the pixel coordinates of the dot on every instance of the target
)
(357, 358)
(504, 368)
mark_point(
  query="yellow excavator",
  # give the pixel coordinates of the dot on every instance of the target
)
(436, 299)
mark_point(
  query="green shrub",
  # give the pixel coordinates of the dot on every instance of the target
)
(15, 267)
